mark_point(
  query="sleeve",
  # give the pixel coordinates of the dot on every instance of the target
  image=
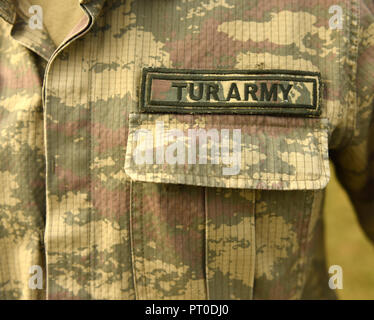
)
(355, 162)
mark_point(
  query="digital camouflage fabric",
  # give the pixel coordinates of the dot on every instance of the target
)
(103, 226)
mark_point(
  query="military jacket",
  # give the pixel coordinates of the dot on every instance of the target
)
(179, 149)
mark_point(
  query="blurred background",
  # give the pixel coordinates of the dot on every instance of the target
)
(347, 245)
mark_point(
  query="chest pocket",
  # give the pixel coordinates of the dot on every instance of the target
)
(193, 242)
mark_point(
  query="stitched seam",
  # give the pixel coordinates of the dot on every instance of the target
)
(132, 242)
(354, 40)
(206, 245)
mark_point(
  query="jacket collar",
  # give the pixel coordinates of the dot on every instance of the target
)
(8, 8)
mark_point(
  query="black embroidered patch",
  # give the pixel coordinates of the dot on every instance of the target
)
(281, 92)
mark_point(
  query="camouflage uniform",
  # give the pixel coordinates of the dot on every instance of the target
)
(73, 201)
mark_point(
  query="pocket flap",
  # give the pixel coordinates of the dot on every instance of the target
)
(228, 151)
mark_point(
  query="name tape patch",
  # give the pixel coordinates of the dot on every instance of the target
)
(231, 91)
